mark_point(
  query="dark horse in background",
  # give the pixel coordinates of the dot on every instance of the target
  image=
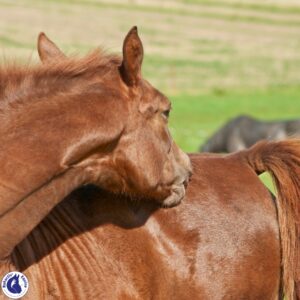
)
(244, 131)
(229, 239)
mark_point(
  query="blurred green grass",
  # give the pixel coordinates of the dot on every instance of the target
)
(195, 117)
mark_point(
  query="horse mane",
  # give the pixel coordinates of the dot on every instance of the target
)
(19, 82)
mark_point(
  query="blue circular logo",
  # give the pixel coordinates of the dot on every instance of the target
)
(14, 285)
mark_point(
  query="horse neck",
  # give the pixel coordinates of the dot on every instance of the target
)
(18, 222)
(40, 145)
(44, 139)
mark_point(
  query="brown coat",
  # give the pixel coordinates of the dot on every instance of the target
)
(222, 242)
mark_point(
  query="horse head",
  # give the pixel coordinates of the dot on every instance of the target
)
(145, 160)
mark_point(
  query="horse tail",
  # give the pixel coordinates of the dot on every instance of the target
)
(282, 160)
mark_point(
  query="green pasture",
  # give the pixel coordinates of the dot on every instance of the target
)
(195, 117)
(214, 59)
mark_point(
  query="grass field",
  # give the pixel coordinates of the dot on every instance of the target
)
(214, 59)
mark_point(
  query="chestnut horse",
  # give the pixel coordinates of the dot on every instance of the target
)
(222, 242)
(78, 121)
(227, 240)
(287, 214)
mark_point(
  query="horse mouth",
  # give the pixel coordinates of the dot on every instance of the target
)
(176, 196)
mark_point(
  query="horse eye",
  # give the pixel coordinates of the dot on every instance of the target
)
(166, 113)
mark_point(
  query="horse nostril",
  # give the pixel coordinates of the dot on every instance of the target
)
(190, 173)
(188, 179)
(185, 183)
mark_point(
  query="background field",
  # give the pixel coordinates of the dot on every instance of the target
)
(214, 59)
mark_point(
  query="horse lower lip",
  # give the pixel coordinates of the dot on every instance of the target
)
(177, 194)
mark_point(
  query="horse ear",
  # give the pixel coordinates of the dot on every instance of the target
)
(47, 49)
(133, 54)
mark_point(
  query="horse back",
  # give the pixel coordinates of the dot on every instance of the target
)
(220, 243)
(238, 241)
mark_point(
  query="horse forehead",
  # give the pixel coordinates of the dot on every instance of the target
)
(149, 90)
(156, 98)
(163, 100)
